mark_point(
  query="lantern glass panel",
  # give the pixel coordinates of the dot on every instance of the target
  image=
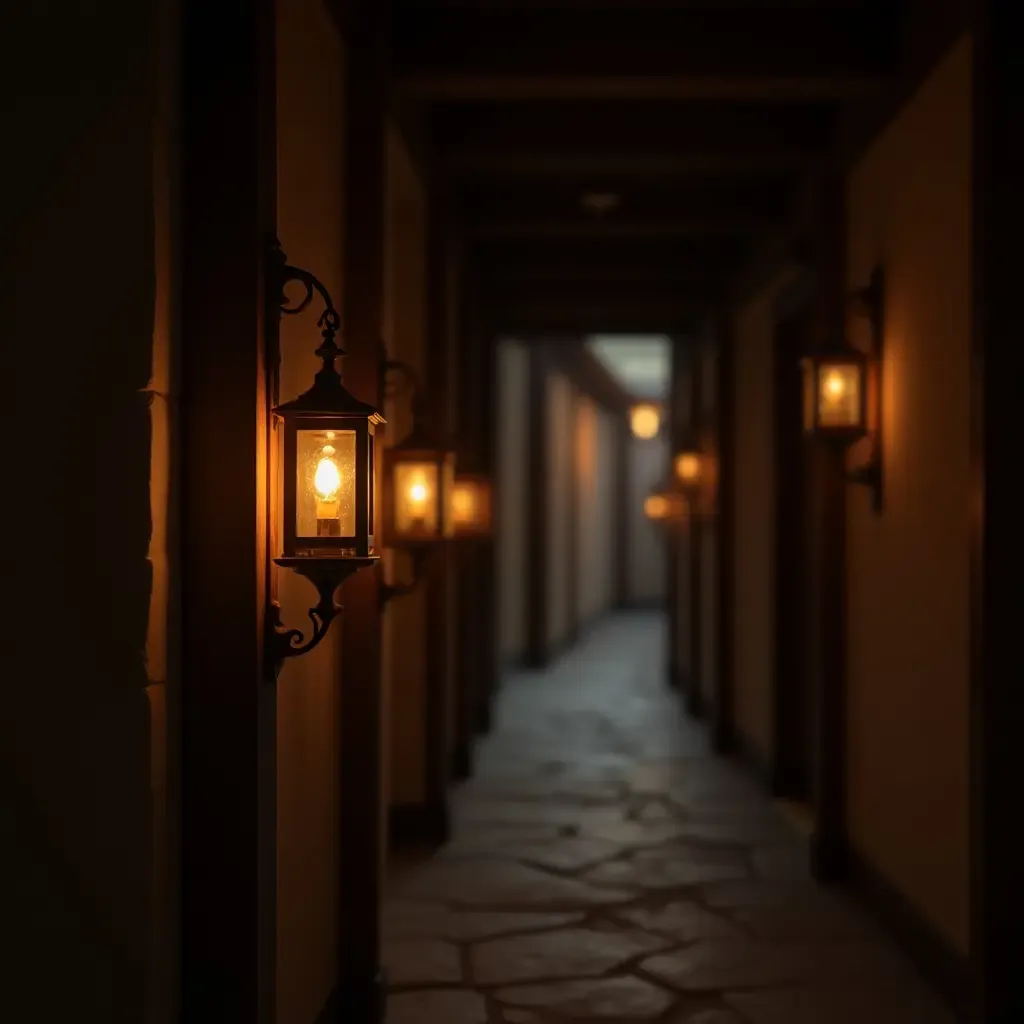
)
(840, 395)
(465, 504)
(416, 507)
(687, 466)
(645, 421)
(325, 486)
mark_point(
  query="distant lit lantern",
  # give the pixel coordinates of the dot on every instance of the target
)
(645, 420)
(471, 505)
(419, 475)
(689, 470)
(835, 395)
(665, 505)
(327, 494)
(843, 392)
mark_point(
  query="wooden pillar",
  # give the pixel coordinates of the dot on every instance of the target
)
(827, 535)
(623, 442)
(694, 538)
(228, 203)
(537, 414)
(675, 597)
(997, 546)
(439, 583)
(725, 591)
(361, 845)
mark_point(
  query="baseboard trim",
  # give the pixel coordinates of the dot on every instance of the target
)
(363, 1001)
(944, 968)
(419, 824)
(695, 705)
(752, 758)
(462, 761)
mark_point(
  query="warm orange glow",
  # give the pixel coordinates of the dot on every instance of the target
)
(687, 466)
(839, 395)
(656, 506)
(327, 478)
(645, 420)
(470, 502)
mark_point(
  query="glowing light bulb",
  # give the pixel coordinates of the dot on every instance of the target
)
(327, 478)
(418, 494)
(645, 421)
(656, 506)
(687, 467)
(835, 385)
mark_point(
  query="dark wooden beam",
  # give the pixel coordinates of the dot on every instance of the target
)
(696, 228)
(497, 54)
(672, 135)
(648, 166)
(228, 763)
(595, 317)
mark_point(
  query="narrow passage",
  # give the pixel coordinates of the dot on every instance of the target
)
(606, 867)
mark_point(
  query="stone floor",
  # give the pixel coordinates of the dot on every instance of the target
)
(605, 867)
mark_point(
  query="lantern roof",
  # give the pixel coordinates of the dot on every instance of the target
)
(329, 397)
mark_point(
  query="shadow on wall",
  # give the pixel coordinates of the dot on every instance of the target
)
(76, 745)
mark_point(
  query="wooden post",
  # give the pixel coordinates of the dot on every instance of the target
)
(228, 869)
(360, 992)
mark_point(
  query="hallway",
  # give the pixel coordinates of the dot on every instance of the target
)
(605, 866)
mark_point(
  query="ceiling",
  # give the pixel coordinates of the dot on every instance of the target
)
(700, 126)
(640, 364)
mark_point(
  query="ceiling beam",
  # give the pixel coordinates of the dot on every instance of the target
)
(487, 53)
(615, 228)
(580, 319)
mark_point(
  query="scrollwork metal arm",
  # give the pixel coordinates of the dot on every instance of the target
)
(283, 642)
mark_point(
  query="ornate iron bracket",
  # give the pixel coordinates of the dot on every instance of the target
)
(869, 303)
(326, 574)
(419, 561)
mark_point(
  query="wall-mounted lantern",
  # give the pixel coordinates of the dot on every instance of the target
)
(327, 481)
(665, 505)
(688, 467)
(843, 392)
(645, 421)
(419, 478)
(471, 505)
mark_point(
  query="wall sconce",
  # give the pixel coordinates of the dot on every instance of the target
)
(327, 524)
(419, 477)
(843, 392)
(645, 421)
(665, 505)
(471, 505)
(688, 466)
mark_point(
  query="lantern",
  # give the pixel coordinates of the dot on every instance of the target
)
(665, 505)
(327, 481)
(645, 421)
(843, 393)
(471, 505)
(419, 476)
(688, 466)
(835, 395)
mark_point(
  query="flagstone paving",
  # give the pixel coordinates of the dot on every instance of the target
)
(605, 867)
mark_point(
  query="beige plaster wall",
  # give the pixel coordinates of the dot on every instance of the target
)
(754, 481)
(560, 440)
(910, 210)
(646, 548)
(595, 501)
(310, 165)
